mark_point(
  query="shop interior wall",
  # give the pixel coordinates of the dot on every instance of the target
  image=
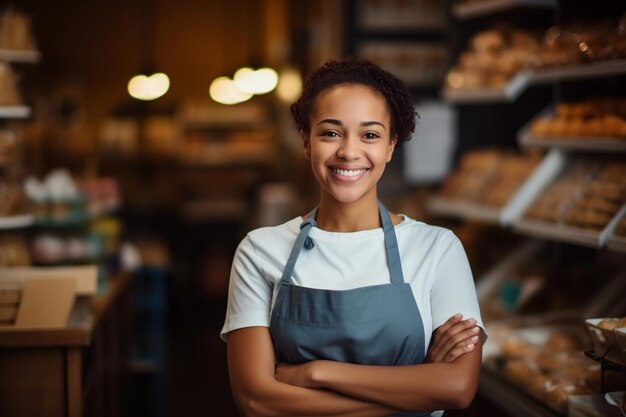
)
(90, 49)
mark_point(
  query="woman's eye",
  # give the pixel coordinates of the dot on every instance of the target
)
(330, 134)
(370, 135)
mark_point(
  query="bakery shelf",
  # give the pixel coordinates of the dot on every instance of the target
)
(585, 144)
(16, 222)
(527, 78)
(578, 72)
(14, 112)
(545, 172)
(569, 234)
(507, 93)
(526, 139)
(22, 56)
(468, 11)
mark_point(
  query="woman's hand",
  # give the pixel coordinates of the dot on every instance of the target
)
(298, 375)
(452, 339)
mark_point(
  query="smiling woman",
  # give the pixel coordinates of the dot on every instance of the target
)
(351, 310)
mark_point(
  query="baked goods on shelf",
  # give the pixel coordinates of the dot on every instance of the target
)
(607, 343)
(61, 199)
(13, 250)
(494, 57)
(591, 42)
(16, 31)
(549, 364)
(599, 199)
(588, 118)
(9, 96)
(587, 195)
(8, 147)
(488, 177)
(13, 202)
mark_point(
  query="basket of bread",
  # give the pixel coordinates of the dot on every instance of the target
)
(609, 338)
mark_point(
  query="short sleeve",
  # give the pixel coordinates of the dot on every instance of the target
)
(249, 293)
(453, 289)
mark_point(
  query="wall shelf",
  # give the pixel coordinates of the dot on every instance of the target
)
(21, 56)
(505, 94)
(527, 78)
(584, 144)
(465, 11)
(16, 222)
(578, 72)
(14, 112)
(569, 234)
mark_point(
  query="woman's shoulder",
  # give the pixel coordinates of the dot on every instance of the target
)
(266, 234)
(418, 229)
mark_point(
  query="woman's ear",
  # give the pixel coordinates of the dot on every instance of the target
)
(392, 145)
(306, 143)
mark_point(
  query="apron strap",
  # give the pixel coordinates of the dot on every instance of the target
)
(391, 246)
(303, 239)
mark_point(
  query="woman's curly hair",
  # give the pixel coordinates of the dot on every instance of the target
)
(358, 71)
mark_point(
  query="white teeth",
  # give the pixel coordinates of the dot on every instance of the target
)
(349, 172)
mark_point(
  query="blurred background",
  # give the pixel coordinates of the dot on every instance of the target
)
(146, 137)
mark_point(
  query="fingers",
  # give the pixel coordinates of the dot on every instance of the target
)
(444, 335)
(452, 339)
(460, 349)
(449, 323)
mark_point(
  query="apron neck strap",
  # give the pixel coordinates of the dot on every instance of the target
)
(391, 245)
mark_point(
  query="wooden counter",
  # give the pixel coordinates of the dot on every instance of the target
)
(74, 371)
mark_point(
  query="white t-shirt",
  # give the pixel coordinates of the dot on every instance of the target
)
(433, 262)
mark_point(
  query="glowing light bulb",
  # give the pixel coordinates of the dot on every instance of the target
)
(261, 81)
(147, 88)
(223, 90)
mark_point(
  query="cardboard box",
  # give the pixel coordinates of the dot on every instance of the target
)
(37, 298)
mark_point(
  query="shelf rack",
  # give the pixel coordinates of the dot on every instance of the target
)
(527, 78)
(20, 56)
(463, 11)
(14, 112)
(16, 222)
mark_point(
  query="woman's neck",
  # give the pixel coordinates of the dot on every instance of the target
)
(334, 216)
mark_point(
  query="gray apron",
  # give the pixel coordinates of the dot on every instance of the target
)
(374, 325)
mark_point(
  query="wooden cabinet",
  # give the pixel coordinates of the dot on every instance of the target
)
(76, 371)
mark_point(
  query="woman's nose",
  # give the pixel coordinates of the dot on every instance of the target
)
(348, 149)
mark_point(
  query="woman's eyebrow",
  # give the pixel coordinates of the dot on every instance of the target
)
(372, 123)
(339, 123)
(331, 121)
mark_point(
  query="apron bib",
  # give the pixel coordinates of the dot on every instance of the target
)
(374, 325)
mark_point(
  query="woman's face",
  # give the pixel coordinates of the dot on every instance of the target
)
(349, 143)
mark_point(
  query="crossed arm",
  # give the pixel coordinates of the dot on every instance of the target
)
(327, 388)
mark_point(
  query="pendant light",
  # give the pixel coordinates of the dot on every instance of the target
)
(149, 84)
(249, 80)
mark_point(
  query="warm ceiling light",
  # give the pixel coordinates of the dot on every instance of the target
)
(143, 87)
(260, 81)
(223, 90)
(289, 85)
